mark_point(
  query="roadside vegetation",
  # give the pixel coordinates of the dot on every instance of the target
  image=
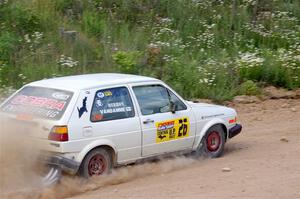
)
(203, 48)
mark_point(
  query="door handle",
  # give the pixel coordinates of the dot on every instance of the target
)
(148, 121)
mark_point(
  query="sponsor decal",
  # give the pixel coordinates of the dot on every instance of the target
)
(115, 110)
(99, 103)
(100, 95)
(172, 129)
(60, 96)
(115, 105)
(104, 94)
(108, 93)
(211, 116)
(41, 102)
(83, 108)
(36, 111)
(98, 117)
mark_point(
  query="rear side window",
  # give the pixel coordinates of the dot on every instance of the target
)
(112, 104)
(38, 102)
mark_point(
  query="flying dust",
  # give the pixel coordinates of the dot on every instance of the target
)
(20, 177)
(69, 186)
(18, 156)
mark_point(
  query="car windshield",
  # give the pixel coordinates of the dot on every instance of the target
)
(38, 102)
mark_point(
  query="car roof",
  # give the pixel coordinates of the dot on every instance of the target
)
(80, 82)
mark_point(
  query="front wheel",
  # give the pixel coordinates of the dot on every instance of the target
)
(96, 163)
(212, 144)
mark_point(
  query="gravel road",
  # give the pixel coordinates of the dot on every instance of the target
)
(262, 162)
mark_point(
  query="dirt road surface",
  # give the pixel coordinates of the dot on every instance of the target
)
(264, 161)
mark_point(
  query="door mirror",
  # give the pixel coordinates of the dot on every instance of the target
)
(173, 107)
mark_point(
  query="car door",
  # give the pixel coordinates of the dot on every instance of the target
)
(162, 130)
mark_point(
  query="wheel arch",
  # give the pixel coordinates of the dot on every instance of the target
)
(106, 144)
(208, 125)
(224, 129)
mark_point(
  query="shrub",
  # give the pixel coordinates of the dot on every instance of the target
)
(92, 24)
(248, 88)
(202, 48)
(8, 45)
(20, 19)
(127, 62)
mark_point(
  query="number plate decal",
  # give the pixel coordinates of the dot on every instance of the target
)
(172, 129)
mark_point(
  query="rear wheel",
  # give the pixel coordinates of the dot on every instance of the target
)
(96, 163)
(212, 144)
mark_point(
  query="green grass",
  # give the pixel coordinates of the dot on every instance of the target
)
(202, 48)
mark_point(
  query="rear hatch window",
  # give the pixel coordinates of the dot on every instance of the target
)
(38, 102)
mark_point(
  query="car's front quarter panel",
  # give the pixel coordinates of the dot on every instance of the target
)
(208, 115)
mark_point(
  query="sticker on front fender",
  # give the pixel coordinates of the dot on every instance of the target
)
(172, 129)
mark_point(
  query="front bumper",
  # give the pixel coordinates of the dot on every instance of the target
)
(234, 130)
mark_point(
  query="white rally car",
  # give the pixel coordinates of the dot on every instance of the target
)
(88, 124)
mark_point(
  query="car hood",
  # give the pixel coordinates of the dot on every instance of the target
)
(205, 111)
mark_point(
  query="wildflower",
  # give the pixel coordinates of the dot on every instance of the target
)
(67, 61)
(249, 60)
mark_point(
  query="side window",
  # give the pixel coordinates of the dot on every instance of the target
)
(112, 104)
(179, 104)
(152, 99)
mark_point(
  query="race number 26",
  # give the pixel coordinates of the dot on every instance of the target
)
(183, 127)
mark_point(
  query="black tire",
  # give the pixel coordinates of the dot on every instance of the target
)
(97, 162)
(212, 144)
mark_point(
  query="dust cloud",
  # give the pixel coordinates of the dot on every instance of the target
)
(19, 178)
(18, 158)
(72, 186)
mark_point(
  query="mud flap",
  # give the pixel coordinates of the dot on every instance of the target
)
(53, 176)
(199, 151)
